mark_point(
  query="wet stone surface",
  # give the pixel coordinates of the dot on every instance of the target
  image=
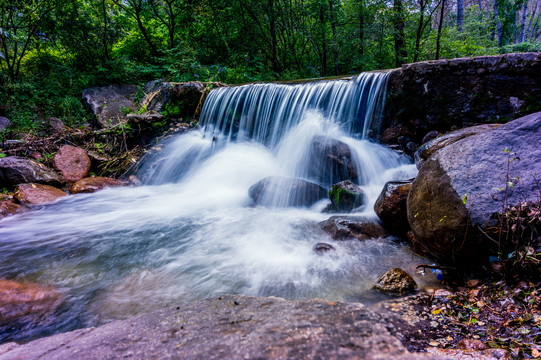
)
(232, 327)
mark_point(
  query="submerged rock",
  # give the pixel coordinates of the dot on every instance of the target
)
(345, 196)
(37, 194)
(391, 206)
(395, 281)
(26, 304)
(72, 162)
(453, 200)
(233, 327)
(352, 227)
(322, 248)
(281, 192)
(93, 184)
(331, 161)
(17, 170)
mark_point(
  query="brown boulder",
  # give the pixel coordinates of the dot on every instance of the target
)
(348, 227)
(395, 281)
(37, 194)
(391, 206)
(93, 184)
(72, 162)
(27, 302)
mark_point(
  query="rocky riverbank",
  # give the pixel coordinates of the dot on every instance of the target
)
(475, 207)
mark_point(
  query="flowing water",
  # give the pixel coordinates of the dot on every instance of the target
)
(192, 231)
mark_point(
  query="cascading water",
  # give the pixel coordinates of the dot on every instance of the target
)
(191, 231)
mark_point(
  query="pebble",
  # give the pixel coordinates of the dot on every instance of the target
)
(434, 343)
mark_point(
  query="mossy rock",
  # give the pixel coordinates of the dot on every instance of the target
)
(345, 196)
(396, 281)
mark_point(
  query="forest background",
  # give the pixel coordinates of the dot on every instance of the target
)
(50, 50)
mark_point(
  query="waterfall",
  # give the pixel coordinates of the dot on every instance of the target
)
(193, 231)
(266, 112)
(316, 131)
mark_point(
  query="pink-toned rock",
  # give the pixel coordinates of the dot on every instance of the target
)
(471, 344)
(72, 162)
(461, 354)
(8, 208)
(27, 302)
(92, 184)
(37, 194)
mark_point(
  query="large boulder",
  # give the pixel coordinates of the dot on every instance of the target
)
(453, 200)
(72, 162)
(430, 147)
(331, 161)
(345, 196)
(93, 184)
(37, 194)
(391, 205)
(26, 304)
(281, 192)
(16, 170)
(110, 103)
(352, 227)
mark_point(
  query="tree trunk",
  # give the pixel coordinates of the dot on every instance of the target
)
(334, 38)
(274, 40)
(104, 38)
(500, 29)
(419, 30)
(459, 14)
(323, 55)
(440, 25)
(523, 25)
(361, 32)
(532, 18)
(401, 53)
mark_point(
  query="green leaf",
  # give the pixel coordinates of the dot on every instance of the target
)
(464, 198)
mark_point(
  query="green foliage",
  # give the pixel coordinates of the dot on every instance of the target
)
(54, 49)
(522, 47)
